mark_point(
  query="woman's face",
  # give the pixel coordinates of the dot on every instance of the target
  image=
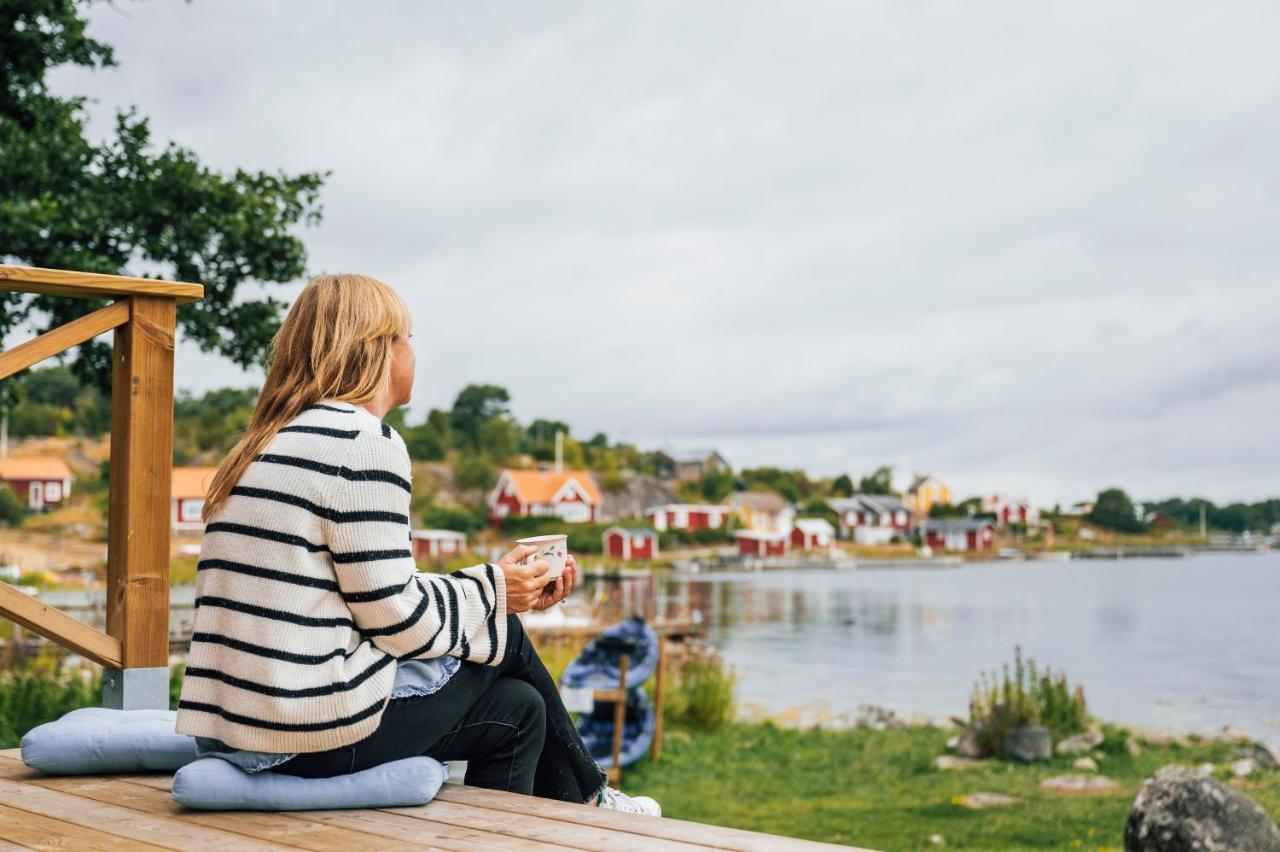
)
(402, 365)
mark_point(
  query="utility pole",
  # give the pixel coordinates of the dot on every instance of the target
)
(559, 451)
(1204, 531)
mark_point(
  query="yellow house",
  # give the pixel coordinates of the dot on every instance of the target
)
(926, 492)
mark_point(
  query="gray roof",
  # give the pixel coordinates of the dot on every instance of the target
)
(874, 502)
(957, 525)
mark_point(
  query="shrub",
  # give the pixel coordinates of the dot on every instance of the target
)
(11, 509)
(1025, 696)
(30, 698)
(446, 518)
(700, 693)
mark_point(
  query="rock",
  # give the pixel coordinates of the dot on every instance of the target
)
(1079, 784)
(1088, 764)
(951, 763)
(1261, 754)
(967, 744)
(1232, 734)
(937, 840)
(982, 801)
(1243, 768)
(1080, 743)
(1135, 750)
(1205, 769)
(1028, 743)
(1178, 810)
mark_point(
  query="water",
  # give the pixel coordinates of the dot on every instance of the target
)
(1184, 644)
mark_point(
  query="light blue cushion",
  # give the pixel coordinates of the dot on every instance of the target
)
(211, 783)
(99, 739)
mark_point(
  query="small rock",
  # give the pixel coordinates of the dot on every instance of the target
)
(1232, 734)
(1243, 768)
(1080, 743)
(982, 801)
(1205, 769)
(953, 742)
(951, 763)
(1154, 738)
(1178, 809)
(1261, 754)
(937, 840)
(1032, 742)
(1079, 784)
(1135, 750)
(1088, 764)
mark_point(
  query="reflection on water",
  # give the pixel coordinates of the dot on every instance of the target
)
(1188, 644)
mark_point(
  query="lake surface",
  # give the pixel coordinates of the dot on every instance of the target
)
(1185, 644)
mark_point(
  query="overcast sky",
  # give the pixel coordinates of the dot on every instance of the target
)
(1028, 247)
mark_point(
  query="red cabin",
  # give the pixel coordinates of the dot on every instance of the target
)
(571, 495)
(687, 516)
(41, 483)
(963, 534)
(812, 534)
(438, 544)
(760, 543)
(630, 544)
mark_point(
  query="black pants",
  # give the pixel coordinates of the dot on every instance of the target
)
(507, 722)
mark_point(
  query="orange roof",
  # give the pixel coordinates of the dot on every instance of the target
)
(192, 482)
(539, 486)
(26, 470)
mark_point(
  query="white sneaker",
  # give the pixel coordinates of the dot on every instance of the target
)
(617, 800)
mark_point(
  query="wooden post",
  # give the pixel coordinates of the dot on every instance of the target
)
(138, 532)
(619, 721)
(658, 689)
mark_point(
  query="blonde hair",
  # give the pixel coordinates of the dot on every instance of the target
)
(335, 343)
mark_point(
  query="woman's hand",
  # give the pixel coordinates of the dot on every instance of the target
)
(524, 582)
(559, 588)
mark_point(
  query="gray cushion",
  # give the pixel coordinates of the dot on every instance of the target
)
(212, 783)
(98, 739)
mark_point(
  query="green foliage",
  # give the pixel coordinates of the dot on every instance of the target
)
(12, 511)
(100, 204)
(499, 439)
(879, 482)
(50, 401)
(431, 440)
(700, 694)
(462, 520)
(210, 423)
(475, 406)
(33, 697)
(842, 486)
(716, 485)
(539, 439)
(1024, 696)
(473, 470)
(1114, 510)
(794, 485)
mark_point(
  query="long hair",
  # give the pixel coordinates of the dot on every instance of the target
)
(335, 343)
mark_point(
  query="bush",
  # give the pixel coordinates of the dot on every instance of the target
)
(1024, 697)
(700, 693)
(30, 698)
(474, 471)
(462, 520)
(11, 509)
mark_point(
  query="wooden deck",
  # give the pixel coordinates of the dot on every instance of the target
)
(136, 811)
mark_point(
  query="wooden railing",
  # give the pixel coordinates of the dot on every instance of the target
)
(135, 647)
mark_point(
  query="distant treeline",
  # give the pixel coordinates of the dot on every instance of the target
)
(478, 434)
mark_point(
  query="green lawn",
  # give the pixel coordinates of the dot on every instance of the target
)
(878, 789)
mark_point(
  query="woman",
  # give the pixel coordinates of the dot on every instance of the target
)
(319, 648)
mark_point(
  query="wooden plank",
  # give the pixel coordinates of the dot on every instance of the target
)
(619, 722)
(388, 823)
(123, 821)
(141, 461)
(542, 828)
(659, 695)
(55, 624)
(646, 826)
(62, 338)
(62, 282)
(33, 831)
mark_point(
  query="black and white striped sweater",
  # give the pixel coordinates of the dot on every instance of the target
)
(307, 592)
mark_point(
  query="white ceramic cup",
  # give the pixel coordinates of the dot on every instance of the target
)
(552, 549)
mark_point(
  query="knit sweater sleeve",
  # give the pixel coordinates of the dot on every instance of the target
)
(407, 613)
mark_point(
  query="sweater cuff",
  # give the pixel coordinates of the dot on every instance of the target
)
(499, 612)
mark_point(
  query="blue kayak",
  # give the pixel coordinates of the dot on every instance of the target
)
(597, 666)
(596, 729)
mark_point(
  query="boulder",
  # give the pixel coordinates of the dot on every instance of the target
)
(1079, 784)
(1028, 743)
(1244, 767)
(966, 744)
(1261, 754)
(951, 763)
(982, 801)
(1179, 810)
(1088, 764)
(1080, 743)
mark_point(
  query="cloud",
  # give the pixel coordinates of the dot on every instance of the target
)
(1028, 248)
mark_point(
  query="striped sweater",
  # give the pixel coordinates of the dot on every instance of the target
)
(307, 593)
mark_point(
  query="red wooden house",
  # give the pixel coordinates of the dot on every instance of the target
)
(761, 543)
(188, 487)
(964, 534)
(812, 534)
(571, 495)
(39, 482)
(438, 544)
(630, 544)
(1011, 510)
(687, 516)
(872, 518)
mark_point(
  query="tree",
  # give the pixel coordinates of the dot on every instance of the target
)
(11, 509)
(474, 471)
(500, 438)
(475, 406)
(431, 439)
(100, 206)
(880, 482)
(842, 486)
(539, 438)
(1114, 510)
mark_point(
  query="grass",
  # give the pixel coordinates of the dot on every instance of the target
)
(878, 789)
